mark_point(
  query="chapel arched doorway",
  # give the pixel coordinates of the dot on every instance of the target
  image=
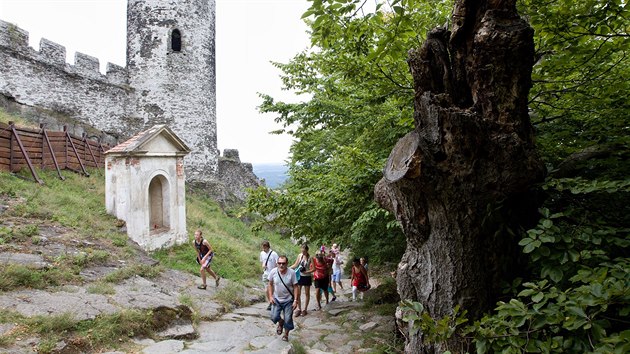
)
(159, 215)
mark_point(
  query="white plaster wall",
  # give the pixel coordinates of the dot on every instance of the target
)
(127, 196)
(110, 185)
(160, 145)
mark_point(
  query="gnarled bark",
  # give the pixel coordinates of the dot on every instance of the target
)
(474, 150)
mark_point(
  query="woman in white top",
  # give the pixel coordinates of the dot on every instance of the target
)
(303, 261)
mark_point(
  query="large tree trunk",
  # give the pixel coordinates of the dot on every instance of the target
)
(471, 152)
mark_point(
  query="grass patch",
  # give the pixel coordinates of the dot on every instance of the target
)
(119, 240)
(15, 276)
(109, 331)
(6, 117)
(81, 259)
(44, 325)
(101, 288)
(298, 348)
(20, 233)
(102, 332)
(231, 296)
(68, 202)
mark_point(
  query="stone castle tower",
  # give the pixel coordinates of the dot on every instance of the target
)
(171, 65)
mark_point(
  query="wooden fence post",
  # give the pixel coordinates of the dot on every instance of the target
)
(74, 148)
(52, 152)
(24, 153)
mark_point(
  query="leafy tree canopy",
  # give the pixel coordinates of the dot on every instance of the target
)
(360, 103)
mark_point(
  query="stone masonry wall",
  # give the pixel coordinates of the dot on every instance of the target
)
(43, 79)
(237, 175)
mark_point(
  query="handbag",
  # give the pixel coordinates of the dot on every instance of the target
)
(297, 272)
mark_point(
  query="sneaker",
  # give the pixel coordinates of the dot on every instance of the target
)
(202, 287)
(333, 299)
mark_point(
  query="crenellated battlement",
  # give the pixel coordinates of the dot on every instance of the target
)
(13, 37)
(86, 65)
(16, 39)
(116, 74)
(52, 53)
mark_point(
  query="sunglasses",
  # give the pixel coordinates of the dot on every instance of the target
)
(281, 263)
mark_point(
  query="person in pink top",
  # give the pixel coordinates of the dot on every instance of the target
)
(321, 276)
(360, 280)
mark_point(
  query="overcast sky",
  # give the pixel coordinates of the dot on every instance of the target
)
(249, 34)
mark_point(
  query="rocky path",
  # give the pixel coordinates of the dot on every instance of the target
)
(341, 327)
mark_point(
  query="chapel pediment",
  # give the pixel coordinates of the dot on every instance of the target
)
(158, 140)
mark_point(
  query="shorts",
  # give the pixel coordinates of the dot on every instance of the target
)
(336, 278)
(206, 264)
(305, 280)
(322, 283)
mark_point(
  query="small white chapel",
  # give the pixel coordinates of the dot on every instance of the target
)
(145, 187)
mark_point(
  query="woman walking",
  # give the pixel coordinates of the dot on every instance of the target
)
(321, 275)
(303, 262)
(360, 280)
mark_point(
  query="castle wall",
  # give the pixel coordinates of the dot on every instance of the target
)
(43, 79)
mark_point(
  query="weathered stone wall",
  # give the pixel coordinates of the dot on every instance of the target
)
(236, 175)
(174, 87)
(43, 79)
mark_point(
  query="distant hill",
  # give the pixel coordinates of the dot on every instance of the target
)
(273, 174)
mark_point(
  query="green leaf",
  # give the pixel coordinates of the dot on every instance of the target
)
(525, 241)
(556, 274)
(577, 311)
(529, 248)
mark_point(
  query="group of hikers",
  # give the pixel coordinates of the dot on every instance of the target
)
(285, 284)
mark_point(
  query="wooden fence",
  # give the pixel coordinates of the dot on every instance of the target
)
(40, 148)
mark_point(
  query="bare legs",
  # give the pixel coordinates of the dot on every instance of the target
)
(307, 297)
(208, 270)
(318, 297)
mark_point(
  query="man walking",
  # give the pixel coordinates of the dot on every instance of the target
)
(268, 259)
(205, 254)
(281, 289)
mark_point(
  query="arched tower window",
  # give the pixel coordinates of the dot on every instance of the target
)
(159, 203)
(176, 41)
